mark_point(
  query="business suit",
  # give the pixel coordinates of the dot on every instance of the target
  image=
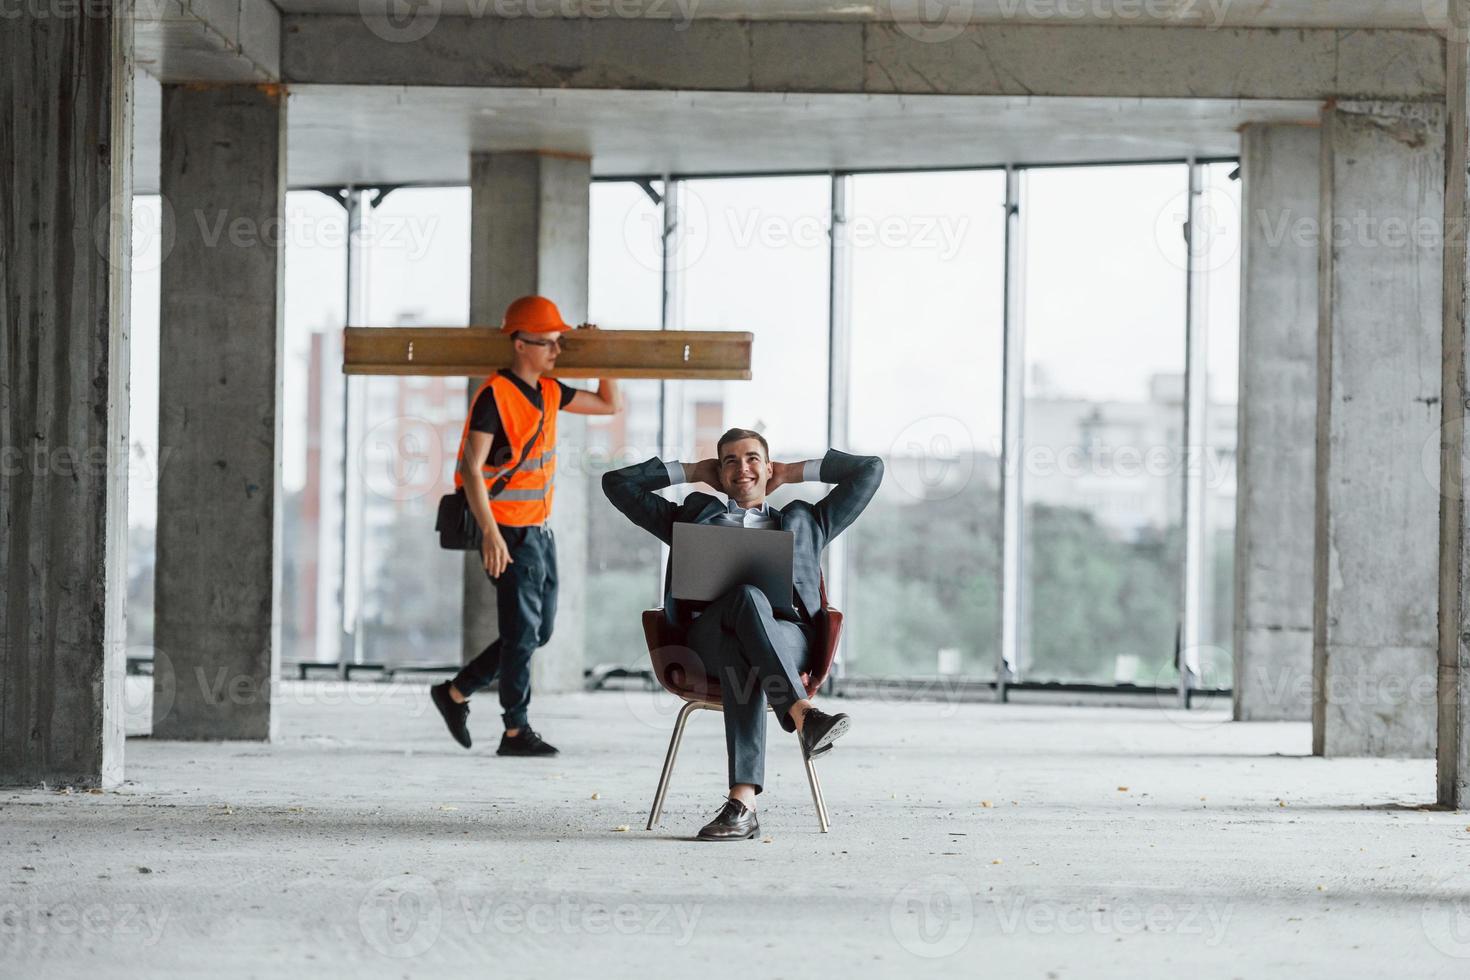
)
(756, 656)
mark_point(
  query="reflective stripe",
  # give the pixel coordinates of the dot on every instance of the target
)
(529, 465)
(523, 494)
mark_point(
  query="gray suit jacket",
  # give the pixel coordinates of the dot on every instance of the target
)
(633, 490)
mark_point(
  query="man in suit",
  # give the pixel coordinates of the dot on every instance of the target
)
(756, 654)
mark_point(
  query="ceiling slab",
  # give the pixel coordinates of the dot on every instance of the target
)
(1409, 14)
(367, 135)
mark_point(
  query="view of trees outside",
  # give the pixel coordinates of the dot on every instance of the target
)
(927, 311)
(1220, 254)
(1101, 462)
(625, 292)
(411, 593)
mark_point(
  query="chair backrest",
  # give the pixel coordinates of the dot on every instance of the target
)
(680, 672)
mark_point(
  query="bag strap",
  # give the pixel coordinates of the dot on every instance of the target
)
(498, 487)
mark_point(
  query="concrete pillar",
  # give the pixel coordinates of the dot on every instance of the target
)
(1378, 391)
(529, 234)
(216, 624)
(1453, 694)
(65, 201)
(1280, 194)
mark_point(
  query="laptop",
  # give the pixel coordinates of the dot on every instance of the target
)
(711, 559)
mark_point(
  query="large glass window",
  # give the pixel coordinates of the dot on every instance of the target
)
(926, 313)
(1103, 422)
(417, 273)
(143, 456)
(1220, 254)
(315, 309)
(753, 255)
(625, 291)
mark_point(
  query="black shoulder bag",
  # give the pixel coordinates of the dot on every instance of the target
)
(456, 524)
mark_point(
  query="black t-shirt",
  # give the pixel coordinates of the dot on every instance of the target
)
(485, 416)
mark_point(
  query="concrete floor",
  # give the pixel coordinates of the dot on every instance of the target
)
(1008, 841)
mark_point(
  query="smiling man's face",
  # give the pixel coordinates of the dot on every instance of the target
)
(744, 470)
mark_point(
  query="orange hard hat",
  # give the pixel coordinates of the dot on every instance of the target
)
(532, 314)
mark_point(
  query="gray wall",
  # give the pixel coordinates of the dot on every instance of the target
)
(65, 200)
(1375, 569)
(216, 624)
(1280, 196)
(529, 234)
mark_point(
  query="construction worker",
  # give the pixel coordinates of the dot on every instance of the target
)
(511, 429)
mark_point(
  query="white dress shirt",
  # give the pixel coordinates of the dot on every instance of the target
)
(737, 516)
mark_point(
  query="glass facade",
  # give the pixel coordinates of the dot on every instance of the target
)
(912, 295)
(1103, 421)
(926, 326)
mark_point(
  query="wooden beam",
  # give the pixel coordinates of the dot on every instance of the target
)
(478, 351)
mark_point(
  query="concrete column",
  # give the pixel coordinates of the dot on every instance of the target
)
(216, 624)
(1280, 194)
(1453, 696)
(1378, 391)
(65, 203)
(529, 234)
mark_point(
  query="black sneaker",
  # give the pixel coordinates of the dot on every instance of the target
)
(525, 742)
(819, 730)
(454, 714)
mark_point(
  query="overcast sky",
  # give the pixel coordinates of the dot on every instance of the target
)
(1104, 297)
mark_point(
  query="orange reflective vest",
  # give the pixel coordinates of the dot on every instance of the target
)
(526, 499)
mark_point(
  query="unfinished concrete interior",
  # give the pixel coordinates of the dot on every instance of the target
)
(1157, 634)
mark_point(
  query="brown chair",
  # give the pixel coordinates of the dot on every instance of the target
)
(681, 674)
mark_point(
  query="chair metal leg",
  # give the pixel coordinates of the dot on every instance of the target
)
(663, 780)
(816, 785)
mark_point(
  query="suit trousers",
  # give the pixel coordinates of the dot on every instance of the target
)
(757, 658)
(525, 606)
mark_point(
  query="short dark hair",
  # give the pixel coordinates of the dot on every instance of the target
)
(735, 435)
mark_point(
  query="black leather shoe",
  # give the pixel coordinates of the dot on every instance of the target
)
(819, 730)
(455, 715)
(735, 821)
(525, 742)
